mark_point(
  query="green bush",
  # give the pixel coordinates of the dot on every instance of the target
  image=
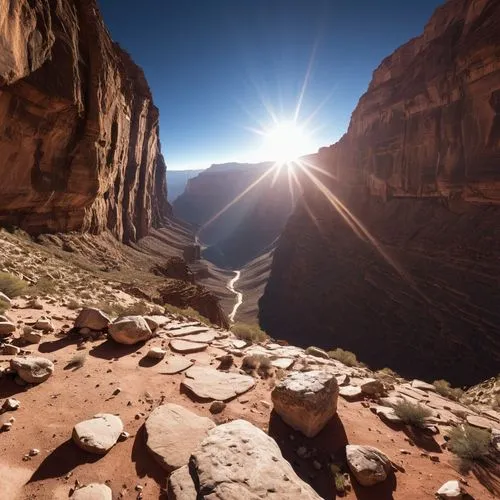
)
(469, 442)
(11, 285)
(348, 358)
(412, 413)
(444, 388)
(249, 333)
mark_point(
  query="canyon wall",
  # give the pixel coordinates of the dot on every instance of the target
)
(79, 144)
(399, 261)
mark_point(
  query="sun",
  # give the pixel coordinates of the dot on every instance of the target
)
(285, 141)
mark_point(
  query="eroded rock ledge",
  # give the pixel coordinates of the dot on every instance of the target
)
(416, 287)
(79, 145)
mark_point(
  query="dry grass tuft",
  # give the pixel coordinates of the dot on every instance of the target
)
(249, 333)
(11, 285)
(77, 361)
(348, 358)
(469, 443)
(444, 388)
(412, 414)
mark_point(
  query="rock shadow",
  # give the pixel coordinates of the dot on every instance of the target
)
(9, 388)
(146, 362)
(66, 457)
(330, 442)
(486, 471)
(109, 349)
(422, 439)
(381, 491)
(145, 464)
(55, 345)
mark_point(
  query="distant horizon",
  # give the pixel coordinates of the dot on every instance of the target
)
(226, 74)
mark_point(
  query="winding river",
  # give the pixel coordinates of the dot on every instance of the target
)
(239, 295)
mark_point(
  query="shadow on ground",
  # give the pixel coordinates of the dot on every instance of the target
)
(145, 464)
(109, 349)
(62, 460)
(9, 388)
(331, 441)
(487, 472)
(146, 362)
(55, 345)
(422, 439)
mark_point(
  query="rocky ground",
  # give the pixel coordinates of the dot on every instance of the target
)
(170, 391)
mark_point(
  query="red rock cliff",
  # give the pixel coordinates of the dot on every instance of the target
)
(419, 168)
(79, 145)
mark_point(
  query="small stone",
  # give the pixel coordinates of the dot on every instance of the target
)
(368, 464)
(31, 337)
(217, 407)
(124, 436)
(450, 489)
(117, 391)
(317, 465)
(6, 426)
(434, 458)
(33, 452)
(372, 386)
(156, 353)
(302, 452)
(93, 491)
(350, 392)
(405, 452)
(11, 404)
(43, 324)
(99, 434)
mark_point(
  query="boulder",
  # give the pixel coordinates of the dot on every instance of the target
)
(317, 352)
(173, 433)
(6, 328)
(99, 434)
(32, 369)
(92, 318)
(239, 461)
(31, 337)
(209, 384)
(423, 386)
(450, 489)
(93, 491)
(130, 330)
(368, 465)
(43, 323)
(180, 485)
(306, 400)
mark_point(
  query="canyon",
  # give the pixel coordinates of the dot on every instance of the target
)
(399, 261)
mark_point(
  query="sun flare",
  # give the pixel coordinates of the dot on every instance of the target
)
(285, 141)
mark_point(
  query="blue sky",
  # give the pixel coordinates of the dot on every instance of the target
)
(216, 67)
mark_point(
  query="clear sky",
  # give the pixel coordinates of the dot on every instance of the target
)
(218, 69)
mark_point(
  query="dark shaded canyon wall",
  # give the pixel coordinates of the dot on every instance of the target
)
(79, 146)
(419, 168)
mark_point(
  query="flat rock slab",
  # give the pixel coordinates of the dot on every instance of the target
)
(173, 433)
(239, 461)
(481, 422)
(203, 337)
(180, 485)
(351, 392)
(423, 386)
(238, 344)
(99, 434)
(187, 330)
(176, 364)
(207, 383)
(283, 363)
(175, 325)
(93, 491)
(187, 347)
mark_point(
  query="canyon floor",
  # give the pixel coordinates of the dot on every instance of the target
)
(121, 380)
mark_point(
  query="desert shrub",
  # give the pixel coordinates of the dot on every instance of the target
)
(469, 442)
(387, 373)
(412, 413)
(44, 285)
(444, 388)
(187, 312)
(256, 361)
(11, 285)
(77, 361)
(249, 333)
(4, 306)
(348, 358)
(73, 304)
(339, 479)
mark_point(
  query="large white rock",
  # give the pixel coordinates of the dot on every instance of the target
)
(173, 433)
(306, 400)
(180, 485)
(32, 369)
(99, 434)
(93, 491)
(239, 461)
(210, 384)
(92, 318)
(130, 330)
(368, 465)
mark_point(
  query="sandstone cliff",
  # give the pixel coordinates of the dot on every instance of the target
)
(419, 169)
(241, 208)
(79, 146)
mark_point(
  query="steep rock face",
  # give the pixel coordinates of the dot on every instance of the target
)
(79, 146)
(241, 208)
(400, 265)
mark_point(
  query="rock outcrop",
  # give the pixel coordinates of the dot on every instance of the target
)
(397, 259)
(79, 144)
